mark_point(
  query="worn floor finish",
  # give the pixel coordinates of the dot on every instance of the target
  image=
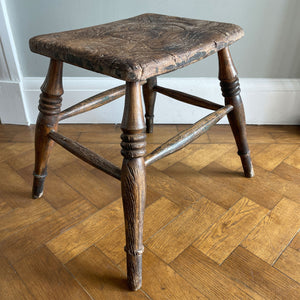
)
(209, 232)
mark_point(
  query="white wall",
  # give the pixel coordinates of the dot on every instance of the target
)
(267, 58)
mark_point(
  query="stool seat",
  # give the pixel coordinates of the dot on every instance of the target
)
(138, 48)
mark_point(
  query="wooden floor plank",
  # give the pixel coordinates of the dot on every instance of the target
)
(11, 285)
(13, 188)
(273, 155)
(288, 172)
(294, 159)
(21, 217)
(218, 241)
(75, 240)
(245, 267)
(160, 281)
(289, 263)
(206, 154)
(295, 244)
(205, 275)
(169, 242)
(276, 230)
(46, 277)
(57, 192)
(28, 239)
(100, 278)
(247, 187)
(204, 185)
(170, 188)
(89, 185)
(81, 219)
(156, 216)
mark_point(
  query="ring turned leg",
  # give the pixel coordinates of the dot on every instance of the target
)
(149, 99)
(49, 107)
(231, 91)
(133, 181)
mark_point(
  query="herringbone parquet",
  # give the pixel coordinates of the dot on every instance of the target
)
(209, 232)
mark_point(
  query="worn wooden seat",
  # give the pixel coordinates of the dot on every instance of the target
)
(136, 50)
(140, 47)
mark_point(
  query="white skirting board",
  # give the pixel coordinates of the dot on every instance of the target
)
(266, 101)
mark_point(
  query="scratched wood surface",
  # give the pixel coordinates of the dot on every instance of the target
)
(209, 232)
(140, 47)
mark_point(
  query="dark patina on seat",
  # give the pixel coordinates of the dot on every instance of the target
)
(140, 47)
(136, 50)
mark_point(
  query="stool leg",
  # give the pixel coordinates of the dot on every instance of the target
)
(49, 107)
(231, 91)
(149, 99)
(133, 181)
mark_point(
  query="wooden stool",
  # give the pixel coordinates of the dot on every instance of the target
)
(136, 50)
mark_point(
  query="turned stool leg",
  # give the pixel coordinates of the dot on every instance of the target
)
(231, 91)
(49, 107)
(149, 99)
(133, 181)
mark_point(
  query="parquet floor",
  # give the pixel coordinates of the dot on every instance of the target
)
(209, 232)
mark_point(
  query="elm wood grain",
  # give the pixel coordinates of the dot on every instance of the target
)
(93, 102)
(140, 47)
(49, 107)
(218, 241)
(289, 263)
(187, 98)
(85, 154)
(155, 219)
(243, 266)
(275, 232)
(205, 275)
(260, 194)
(162, 282)
(78, 238)
(208, 187)
(149, 96)
(99, 277)
(169, 242)
(231, 91)
(11, 285)
(133, 181)
(24, 241)
(47, 278)
(187, 136)
(21, 217)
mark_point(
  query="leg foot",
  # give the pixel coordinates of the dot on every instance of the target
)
(134, 270)
(38, 185)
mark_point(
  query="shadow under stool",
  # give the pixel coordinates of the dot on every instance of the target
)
(136, 50)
